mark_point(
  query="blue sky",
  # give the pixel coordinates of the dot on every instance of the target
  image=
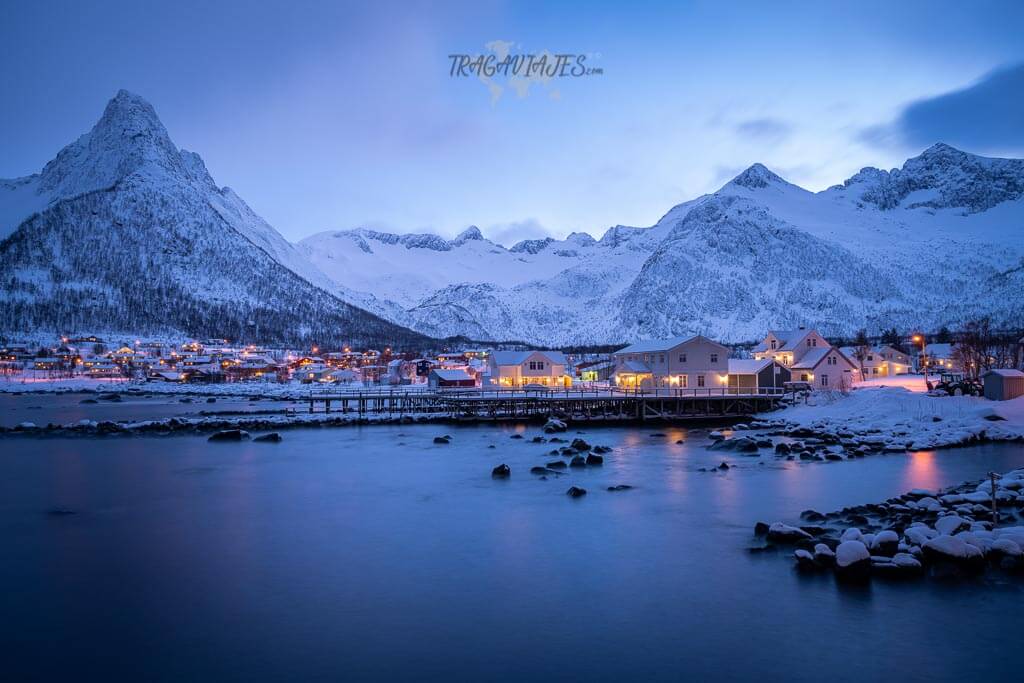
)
(330, 116)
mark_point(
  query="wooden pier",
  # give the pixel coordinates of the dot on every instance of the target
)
(575, 404)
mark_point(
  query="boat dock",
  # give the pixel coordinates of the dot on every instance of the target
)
(576, 404)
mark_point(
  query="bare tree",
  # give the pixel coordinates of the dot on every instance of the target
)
(861, 350)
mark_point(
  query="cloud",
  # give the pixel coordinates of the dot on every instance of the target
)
(987, 116)
(765, 129)
(509, 233)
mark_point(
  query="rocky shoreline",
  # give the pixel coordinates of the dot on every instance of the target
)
(969, 530)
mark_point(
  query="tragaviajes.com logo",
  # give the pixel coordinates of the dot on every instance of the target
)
(500, 67)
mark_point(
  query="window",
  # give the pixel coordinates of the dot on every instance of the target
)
(661, 358)
(803, 376)
(533, 365)
(540, 365)
(700, 380)
(808, 343)
(870, 358)
(682, 358)
(824, 380)
(773, 344)
(683, 380)
(714, 358)
(832, 360)
(814, 341)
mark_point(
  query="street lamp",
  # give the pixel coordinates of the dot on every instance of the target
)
(919, 339)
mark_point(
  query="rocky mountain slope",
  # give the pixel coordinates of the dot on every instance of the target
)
(122, 232)
(934, 243)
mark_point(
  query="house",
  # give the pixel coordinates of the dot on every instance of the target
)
(938, 358)
(342, 376)
(518, 368)
(595, 370)
(789, 346)
(1003, 384)
(825, 368)
(679, 362)
(879, 361)
(757, 374)
(450, 379)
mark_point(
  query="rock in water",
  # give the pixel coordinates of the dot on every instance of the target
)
(576, 492)
(554, 425)
(557, 465)
(272, 437)
(783, 533)
(853, 561)
(580, 445)
(578, 461)
(442, 439)
(502, 471)
(229, 435)
(594, 459)
(620, 487)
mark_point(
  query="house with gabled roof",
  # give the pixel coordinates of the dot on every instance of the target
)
(678, 362)
(518, 368)
(825, 368)
(879, 361)
(789, 346)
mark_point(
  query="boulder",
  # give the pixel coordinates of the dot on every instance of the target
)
(824, 556)
(272, 437)
(812, 516)
(442, 439)
(577, 461)
(557, 465)
(805, 561)
(554, 425)
(950, 524)
(516, 436)
(502, 471)
(724, 466)
(594, 459)
(783, 533)
(580, 445)
(886, 543)
(229, 435)
(782, 448)
(951, 550)
(853, 561)
(620, 487)
(576, 492)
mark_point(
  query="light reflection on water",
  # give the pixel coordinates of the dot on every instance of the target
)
(339, 554)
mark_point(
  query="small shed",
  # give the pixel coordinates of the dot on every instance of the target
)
(757, 374)
(446, 379)
(1003, 384)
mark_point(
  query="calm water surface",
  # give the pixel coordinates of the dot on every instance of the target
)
(371, 553)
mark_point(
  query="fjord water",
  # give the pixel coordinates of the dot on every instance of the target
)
(373, 553)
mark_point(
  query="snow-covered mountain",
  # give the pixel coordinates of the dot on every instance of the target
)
(124, 232)
(934, 243)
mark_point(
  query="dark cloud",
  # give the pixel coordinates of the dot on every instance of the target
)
(987, 116)
(767, 129)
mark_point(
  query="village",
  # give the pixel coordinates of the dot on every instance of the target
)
(800, 359)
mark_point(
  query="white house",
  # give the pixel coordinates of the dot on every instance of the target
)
(518, 368)
(750, 373)
(680, 362)
(825, 368)
(879, 361)
(789, 346)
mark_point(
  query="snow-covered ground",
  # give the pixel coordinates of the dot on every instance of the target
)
(909, 382)
(902, 417)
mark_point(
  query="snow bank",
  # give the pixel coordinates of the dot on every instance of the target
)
(901, 419)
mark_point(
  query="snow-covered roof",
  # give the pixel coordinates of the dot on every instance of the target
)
(452, 375)
(659, 345)
(747, 366)
(812, 357)
(634, 366)
(1005, 372)
(939, 350)
(519, 357)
